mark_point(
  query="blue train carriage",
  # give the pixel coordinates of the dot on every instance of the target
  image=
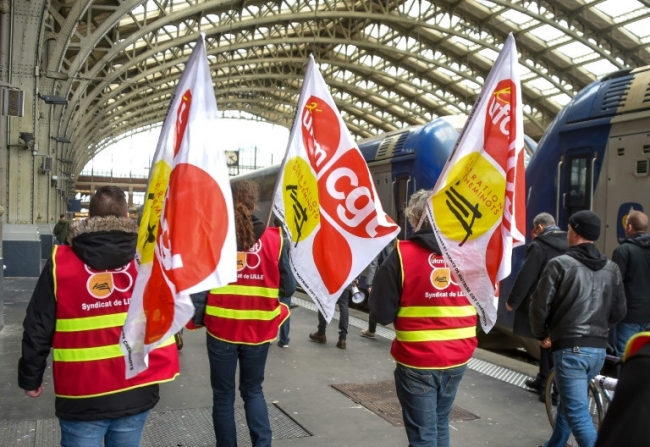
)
(594, 156)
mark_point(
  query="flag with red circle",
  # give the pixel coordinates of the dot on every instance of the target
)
(477, 208)
(186, 240)
(327, 200)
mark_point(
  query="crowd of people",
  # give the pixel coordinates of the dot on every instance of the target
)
(568, 296)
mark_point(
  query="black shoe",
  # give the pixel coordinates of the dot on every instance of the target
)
(318, 337)
(534, 385)
(341, 344)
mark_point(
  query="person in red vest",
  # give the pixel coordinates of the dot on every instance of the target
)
(77, 310)
(435, 328)
(242, 319)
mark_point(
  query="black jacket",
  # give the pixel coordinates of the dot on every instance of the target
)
(550, 243)
(578, 298)
(287, 280)
(102, 243)
(371, 270)
(633, 259)
(386, 290)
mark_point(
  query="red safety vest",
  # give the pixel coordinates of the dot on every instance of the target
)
(249, 311)
(90, 312)
(435, 326)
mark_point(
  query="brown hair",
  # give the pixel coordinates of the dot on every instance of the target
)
(108, 201)
(245, 195)
(638, 220)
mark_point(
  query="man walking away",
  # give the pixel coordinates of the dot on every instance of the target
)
(61, 230)
(633, 259)
(78, 309)
(579, 296)
(548, 242)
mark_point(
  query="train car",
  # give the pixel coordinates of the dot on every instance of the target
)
(401, 162)
(594, 156)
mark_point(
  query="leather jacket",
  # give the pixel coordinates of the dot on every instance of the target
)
(576, 304)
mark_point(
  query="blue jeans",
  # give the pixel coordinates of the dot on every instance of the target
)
(574, 369)
(223, 359)
(622, 332)
(284, 328)
(122, 432)
(426, 396)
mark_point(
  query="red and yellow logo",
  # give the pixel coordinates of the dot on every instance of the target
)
(101, 284)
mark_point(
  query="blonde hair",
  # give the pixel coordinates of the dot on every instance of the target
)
(417, 206)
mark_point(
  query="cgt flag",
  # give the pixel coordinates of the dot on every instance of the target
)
(186, 241)
(477, 208)
(327, 200)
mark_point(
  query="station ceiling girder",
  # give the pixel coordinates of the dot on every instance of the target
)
(389, 64)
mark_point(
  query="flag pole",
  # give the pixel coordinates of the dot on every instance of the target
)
(310, 67)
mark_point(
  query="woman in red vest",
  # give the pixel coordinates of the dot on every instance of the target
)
(242, 319)
(435, 328)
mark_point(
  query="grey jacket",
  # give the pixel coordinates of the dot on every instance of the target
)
(577, 302)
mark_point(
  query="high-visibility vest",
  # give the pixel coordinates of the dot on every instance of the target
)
(435, 326)
(91, 307)
(249, 311)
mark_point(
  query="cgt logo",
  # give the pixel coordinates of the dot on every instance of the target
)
(441, 274)
(344, 192)
(249, 259)
(101, 284)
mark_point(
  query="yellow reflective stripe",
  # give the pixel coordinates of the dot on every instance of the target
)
(436, 311)
(54, 275)
(235, 314)
(436, 335)
(401, 262)
(90, 323)
(263, 292)
(90, 354)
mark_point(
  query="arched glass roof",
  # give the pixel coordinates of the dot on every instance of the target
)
(388, 63)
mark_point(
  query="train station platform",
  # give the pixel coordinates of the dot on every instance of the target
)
(318, 395)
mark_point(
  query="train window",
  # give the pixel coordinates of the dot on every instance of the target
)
(578, 194)
(621, 151)
(646, 148)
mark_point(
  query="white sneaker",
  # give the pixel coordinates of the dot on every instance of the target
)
(366, 333)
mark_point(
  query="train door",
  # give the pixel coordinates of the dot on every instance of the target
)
(575, 183)
(383, 184)
(403, 186)
(627, 186)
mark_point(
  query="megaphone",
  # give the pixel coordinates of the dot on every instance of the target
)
(357, 295)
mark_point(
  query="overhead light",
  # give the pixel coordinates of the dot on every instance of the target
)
(61, 139)
(53, 99)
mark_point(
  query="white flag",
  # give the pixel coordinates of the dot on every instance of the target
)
(186, 241)
(477, 208)
(327, 200)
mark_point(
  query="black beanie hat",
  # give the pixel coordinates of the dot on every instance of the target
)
(586, 224)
